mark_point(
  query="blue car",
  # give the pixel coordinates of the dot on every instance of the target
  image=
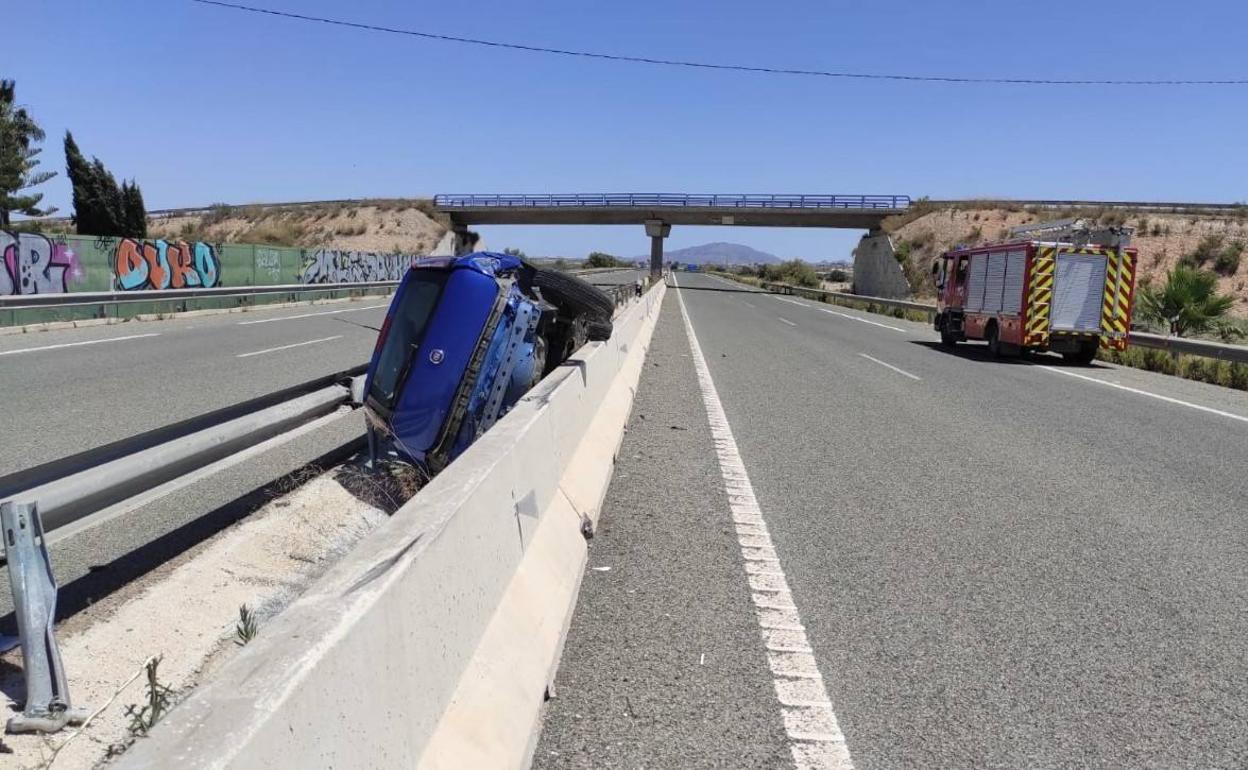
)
(463, 340)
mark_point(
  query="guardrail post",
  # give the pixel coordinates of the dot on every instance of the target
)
(47, 707)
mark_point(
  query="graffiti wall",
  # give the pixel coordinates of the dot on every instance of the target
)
(159, 264)
(333, 266)
(36, 264)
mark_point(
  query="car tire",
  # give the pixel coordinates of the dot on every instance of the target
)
(568, 291)
(598, 331)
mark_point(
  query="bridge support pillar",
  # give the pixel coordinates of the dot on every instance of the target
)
(657, 229)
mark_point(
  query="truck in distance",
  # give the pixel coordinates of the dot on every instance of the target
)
(1025, 296)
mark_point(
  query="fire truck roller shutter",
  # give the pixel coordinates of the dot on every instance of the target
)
(1015, 269)
(975, 283)
(1078, 292)
(995, 282)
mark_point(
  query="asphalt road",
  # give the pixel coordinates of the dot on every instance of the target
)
(69, 390)
(998, 564)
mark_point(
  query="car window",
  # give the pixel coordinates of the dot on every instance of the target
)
(406, 327)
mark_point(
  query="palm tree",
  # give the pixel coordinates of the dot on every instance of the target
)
(1188, 303)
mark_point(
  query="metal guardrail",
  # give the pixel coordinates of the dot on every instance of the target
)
(74, 299)
(65, 491)
(676, 200)
(1185, 345)
(1155, 206)
(74, 487)
(1190, 347)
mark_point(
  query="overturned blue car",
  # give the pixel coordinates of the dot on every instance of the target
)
(463, 340)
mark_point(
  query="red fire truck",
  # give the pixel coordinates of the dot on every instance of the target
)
(1037, 295)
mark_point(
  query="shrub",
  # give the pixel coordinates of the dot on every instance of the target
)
(901, 251)
(1208, 248)
(1227, 260)
(602, 259)
(794, 271)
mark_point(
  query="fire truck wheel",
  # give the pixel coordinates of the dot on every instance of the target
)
(1083, 356)
(994, 341)
(948, 338)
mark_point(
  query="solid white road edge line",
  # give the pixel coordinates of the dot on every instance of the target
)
(815, 737)
(1157, 396)
(76, 344)
(785, 320)
(287, 347)
(309, 315)
(890, 366)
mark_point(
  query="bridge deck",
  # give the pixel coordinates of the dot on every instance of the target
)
(845, 211)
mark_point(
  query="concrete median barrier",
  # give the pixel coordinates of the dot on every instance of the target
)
(433, 642)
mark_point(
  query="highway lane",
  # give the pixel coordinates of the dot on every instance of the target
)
(997, 564)
(69, 390)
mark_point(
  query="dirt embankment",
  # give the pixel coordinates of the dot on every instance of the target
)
(408, 226)
(1213, 242)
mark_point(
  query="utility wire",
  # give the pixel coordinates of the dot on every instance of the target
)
(727, 67)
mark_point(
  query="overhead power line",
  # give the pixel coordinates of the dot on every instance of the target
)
(710, 66)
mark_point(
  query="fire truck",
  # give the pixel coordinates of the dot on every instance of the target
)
(1037, 295)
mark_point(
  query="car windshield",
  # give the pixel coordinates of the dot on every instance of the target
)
(406, 327)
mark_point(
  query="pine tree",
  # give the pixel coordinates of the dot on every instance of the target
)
(111, 211)
(135, 212)
(19, 137)
(82, 181)
(101, 206)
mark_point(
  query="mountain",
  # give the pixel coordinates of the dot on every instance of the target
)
(718, 254)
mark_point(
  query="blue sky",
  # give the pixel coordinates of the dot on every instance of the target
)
(202, 104)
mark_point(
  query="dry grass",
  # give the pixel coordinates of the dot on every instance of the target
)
(409, 225)
(386, 487)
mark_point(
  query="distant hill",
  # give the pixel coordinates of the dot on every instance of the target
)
(718, 254)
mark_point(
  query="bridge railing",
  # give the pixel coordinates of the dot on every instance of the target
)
(674, 200)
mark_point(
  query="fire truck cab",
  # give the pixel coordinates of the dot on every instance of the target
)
(1024, 296)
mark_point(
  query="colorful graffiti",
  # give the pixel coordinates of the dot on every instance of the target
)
(163, 265)
(35, 264)
(333, 266)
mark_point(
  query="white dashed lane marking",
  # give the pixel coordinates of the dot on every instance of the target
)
(890, 366)
(287, 347)
(76, 344)
(310, 315)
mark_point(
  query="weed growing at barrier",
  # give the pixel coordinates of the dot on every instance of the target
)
(247, 626)
(386, 487)
(1227, 374)
(159, 700)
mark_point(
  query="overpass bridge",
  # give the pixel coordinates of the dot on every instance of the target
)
(659, 211)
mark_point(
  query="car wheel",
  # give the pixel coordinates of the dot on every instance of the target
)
(577, 297)
(598, 331)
